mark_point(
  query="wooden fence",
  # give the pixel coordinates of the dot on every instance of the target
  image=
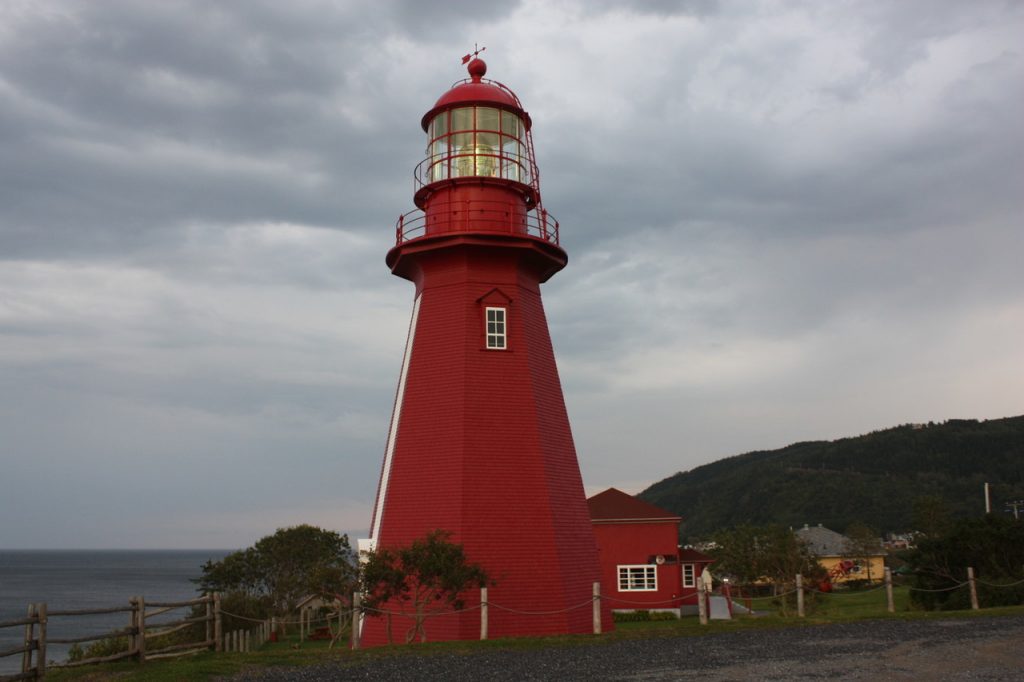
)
(138, 633)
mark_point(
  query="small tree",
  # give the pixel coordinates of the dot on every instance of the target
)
(993, 546)
(426, 577)
(863, 544)
(271, 577)
(759, 554)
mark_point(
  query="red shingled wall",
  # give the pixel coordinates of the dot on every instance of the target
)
(484, 450)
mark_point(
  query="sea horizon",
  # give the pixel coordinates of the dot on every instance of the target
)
(67, 579)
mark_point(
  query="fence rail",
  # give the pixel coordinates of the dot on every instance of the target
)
(38, 635)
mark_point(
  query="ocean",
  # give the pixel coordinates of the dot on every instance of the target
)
(82, 579)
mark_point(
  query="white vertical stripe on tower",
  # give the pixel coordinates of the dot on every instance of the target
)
(396, 413)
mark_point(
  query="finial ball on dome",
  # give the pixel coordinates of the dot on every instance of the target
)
(477, 68)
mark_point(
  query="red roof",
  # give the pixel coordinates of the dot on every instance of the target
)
(613, 504)
(479, 92)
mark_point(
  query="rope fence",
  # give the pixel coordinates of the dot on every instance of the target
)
(207, 619)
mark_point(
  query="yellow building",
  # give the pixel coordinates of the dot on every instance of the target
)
(837, 554)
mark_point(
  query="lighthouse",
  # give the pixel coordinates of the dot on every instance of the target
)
(479, 443)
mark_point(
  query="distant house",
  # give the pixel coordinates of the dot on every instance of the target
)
(837, 554)
(642, 566)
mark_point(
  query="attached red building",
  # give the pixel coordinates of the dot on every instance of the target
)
(642, 565)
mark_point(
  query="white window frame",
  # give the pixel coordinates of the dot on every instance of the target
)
(638, 577)
(690, 578)
(496, 328)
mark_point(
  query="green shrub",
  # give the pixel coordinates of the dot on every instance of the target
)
(102, 647)
(642, 616)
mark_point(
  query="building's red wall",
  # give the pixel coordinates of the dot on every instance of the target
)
(484, 450)
(634, 543)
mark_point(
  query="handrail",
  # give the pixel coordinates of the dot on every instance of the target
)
(475, 216)
(506, 166)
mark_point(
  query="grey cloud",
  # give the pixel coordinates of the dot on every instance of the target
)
(772, 211)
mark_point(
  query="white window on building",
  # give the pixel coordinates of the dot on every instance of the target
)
(497, 338)
(689, 575)
(638, 578)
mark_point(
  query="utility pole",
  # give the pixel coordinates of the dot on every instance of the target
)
(1016, 506)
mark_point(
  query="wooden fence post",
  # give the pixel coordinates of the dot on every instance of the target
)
(596, 607)
(483, 613)
(356, 606)
(26, 657)
(702, 605)
(142, 629)
(209, 619)
(890, 603)
(218, 625)
(973, 588)
(799, 595)
(41, 651)
(133, 622)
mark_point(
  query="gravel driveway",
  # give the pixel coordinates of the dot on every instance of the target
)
(987, 648)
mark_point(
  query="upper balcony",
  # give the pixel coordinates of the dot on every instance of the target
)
(476, 215)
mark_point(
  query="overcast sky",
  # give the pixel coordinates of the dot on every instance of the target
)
(785, 221)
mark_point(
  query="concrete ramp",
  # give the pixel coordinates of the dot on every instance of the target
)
(718, 608)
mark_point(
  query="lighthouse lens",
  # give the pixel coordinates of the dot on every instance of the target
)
(476, 141)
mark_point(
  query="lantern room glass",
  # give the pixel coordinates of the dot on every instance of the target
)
(476, 142)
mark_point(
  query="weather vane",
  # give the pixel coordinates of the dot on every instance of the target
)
(473, 54)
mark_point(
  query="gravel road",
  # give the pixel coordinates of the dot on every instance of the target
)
(987, 648)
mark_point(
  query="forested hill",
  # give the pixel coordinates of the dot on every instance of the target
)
(873, 479)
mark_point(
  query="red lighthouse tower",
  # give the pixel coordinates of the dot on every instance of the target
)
(480, 443)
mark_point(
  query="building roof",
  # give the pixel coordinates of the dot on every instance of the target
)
(615, 505)
(822, 541)
(690, 555)
(825, 542)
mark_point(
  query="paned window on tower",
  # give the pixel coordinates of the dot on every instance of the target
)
(497, 338)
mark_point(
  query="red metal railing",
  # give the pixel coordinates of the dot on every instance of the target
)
(502, 165)
(476, 216)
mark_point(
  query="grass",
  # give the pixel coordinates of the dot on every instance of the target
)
(836, 607)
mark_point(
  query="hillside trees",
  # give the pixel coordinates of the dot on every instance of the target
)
(931, 516)
(873, 478)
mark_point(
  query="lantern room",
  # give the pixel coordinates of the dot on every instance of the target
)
(480, 141)
(479, 174)
(477, 129)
